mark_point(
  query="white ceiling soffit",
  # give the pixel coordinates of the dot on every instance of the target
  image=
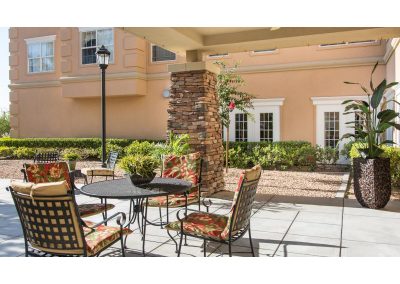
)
(221, 40)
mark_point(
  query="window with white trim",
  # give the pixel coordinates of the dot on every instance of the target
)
(359, 121)
(40, 54)
(92, 40)
(331, 129)
(159, 54)
(241, 127)
(266, 127)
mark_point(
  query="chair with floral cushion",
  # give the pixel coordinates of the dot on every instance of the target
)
(51, 223)
(59, 171)
(187, 167)
(221, 228)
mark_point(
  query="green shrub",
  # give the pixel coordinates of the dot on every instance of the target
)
(109, 148)
(307, 156)
(144, 148)
(62, 143)
(327, 155)
(393, 153)
(24, 153)
(139, 164)
(6, 151)
(71, 154)
(238, 158)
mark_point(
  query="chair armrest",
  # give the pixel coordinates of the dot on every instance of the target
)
(185, 210)
(25, 176)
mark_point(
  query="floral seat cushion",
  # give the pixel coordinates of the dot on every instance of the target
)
(101, 236)
(59, 171)
(97, 171)
(201, 224)
(86, 210)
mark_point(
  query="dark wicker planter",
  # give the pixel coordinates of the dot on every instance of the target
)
(139, 180)
(372, 183)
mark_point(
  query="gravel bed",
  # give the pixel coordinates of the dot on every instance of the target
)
(292, 183)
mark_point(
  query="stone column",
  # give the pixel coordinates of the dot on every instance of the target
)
(193, 109)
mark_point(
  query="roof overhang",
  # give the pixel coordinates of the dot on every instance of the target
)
(222, 39)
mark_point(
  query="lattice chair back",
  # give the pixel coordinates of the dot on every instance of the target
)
(49, 217)
(46, 157)
(48, 172)
(242, 204)
(112, 160)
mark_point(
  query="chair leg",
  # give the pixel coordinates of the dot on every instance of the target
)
(122, 245)
(230, 249)
(204, 248)
(159, 211)
(91, 180)
(251, 243)
(180, 245)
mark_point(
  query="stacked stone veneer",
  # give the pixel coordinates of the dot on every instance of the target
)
(193, 109)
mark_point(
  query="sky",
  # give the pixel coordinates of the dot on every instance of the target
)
(4, 91)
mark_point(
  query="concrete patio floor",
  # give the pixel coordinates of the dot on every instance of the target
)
(281, 226)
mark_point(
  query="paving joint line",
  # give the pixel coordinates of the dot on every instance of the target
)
(287, 231)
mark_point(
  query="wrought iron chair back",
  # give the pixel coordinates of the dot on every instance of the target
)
(242, 210)
(112, 160)
(46, 157)
(50, 223)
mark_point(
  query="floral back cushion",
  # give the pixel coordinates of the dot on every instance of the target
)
(185, 167)
(48, 172)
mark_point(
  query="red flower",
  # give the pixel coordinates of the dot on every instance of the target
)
(231, 106)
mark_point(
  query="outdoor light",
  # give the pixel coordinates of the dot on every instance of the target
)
(166, 93)
(103, 57)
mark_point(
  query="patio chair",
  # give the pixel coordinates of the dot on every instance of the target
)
(51, 223)
(59, 171)
(44, 157)
(187, 167)
(221, 228)
(108, 171)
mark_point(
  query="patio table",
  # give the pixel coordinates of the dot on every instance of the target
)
(138, 196)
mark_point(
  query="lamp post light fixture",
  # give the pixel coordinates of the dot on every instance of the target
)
(103, 57)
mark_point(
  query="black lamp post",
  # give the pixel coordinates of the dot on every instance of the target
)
(103, 56)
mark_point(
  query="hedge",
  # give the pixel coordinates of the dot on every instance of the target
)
(62, 143)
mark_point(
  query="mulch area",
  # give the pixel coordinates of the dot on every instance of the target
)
(293, 183)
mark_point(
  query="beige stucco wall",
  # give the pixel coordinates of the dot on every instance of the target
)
(66, 103)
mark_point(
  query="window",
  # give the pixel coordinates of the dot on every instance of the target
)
(359, 121)
(217, 55)
(92, 40)
(240, 127)
(349, 43)
(161, 54)
(40, 54)
(331, 129)
(266, 127)
(265, 51)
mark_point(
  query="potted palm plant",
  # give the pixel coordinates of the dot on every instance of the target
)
(140, 169)
(372, 181)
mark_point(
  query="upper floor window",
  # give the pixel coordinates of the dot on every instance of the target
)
(265, 51)
(92, 40)
(40, 54)
(349, 43)
(161, 54)
(218, 55)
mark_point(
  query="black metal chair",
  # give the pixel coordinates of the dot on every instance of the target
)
(108, 171)
(59, 171)
(51, 223)
(43, 157)
(221, 228)
(171, 168)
